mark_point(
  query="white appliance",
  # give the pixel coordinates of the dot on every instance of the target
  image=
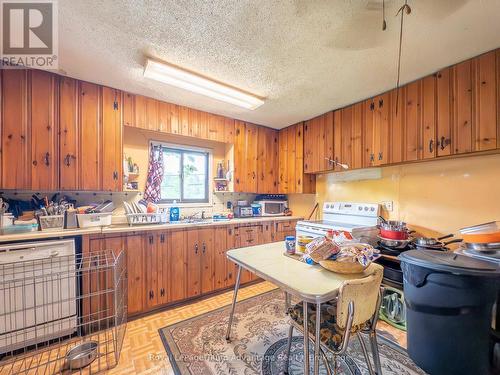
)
(347, 216)
(36, 306)
(272, 207)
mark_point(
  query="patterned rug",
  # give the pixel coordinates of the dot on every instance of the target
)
(197, 346)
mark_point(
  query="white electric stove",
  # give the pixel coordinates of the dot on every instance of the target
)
(347, 216)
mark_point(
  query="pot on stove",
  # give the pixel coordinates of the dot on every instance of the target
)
(393, 229)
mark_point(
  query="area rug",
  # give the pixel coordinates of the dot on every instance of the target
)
(197, 346)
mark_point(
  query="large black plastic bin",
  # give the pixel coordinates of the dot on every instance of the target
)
(449, 300)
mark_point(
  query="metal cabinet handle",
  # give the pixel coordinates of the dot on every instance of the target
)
(372, 157)
(115, 175)
(162, 292)
(431, 146)
(47, 159)
(380, 156)
(196, 248)
(204, 247)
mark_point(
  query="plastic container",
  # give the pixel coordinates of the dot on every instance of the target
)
(174, 213)
(449, 299)
(290, 245)
(302, 242)
(256, 209)
(94, 220)
(51, 222)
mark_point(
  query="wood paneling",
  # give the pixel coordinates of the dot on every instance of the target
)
(245, 157)
(267, 160)
(90, 137)
(141, 112)
(69, 152)
(398, 122)
(485, 102)
(413, 120)
(112, 161)
(44, 131)
(15, 130)
(318, 143)
(206, 243)
(348, 136)
(153, 266)
(231, 267)
(193, 251)
(220, 248)
(444, 106)
(152, 114)
(462, 107)
(427, 146)
(135, 273)
(178, 266)
(128, 109)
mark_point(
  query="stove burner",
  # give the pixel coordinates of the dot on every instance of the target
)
(388, 250)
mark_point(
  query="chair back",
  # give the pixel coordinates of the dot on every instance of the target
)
(363, 293)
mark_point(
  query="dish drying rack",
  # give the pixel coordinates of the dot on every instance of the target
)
(143, 218)
(85, 337)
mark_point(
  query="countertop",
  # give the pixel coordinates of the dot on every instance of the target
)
(22, 233)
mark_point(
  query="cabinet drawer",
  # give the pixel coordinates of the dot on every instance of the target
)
(284, 226)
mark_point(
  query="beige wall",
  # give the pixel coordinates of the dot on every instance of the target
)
(440, 195)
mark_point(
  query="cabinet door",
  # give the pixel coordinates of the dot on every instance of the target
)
(178, 266)
(128, 109)
(206, 241)
(15, 131)
(90, 137)
(413, 120)
(193, 250)
(69, 131)
(485, 102)
(136, 273)
(284, 156)
(216, 128)
(267, 160)
(164, 259)
(141, 118)
(112, 161)
(44, 131)
(398, 121)
(428, 133)
(240, 166)
(267, 233)
(220, 247)
(369, 133)
(229, 130)
(303, 183)
(152, 114)
(245, 236)
(318, 143)
(348, 136)
(251, 143)
(290, 159)
(231, 268)
(339, 154)
(382, 129)
(462, 107)
(152, 257)
(197, 124)
(444, 107)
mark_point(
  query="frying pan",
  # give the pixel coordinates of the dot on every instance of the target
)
(435, 243)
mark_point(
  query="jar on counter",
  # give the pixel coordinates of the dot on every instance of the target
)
(290, 244)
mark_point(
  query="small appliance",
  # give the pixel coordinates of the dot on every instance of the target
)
(272, 204)
(243, 210)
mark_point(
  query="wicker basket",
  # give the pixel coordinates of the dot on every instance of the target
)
(342, 267)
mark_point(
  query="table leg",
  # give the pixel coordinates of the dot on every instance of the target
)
(235, 294)
(317, 339)
(287, 302)
(306, 338)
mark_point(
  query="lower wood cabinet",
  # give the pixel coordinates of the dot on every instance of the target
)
(170, 266)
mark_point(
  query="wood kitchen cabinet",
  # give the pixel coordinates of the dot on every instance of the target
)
(69, 140)
(168, 118)
(428, 141)
(151, 114)
(140, 106)
(128, 109)
(178, 266)
(44, 131)
(283, 229)
(248, 235)
(376, 130)
(220, 248)
(318, 143)
(157, 260)
(134, 247)
(15, 138)
(245, 157)
(397, 125)
(413, 122)
(200, 261)
(90, 160)
(267, 160)
(348, 148)
(220, 128)
(231, 268)
(486, 103)
(112, 160)
(444, 116)
(462, 108)
(291, 176)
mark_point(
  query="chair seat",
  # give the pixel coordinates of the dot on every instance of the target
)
(330, 333)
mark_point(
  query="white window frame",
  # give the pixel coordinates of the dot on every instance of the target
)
(184, 147)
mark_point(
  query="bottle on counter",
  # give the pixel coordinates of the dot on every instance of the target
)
(174, 212)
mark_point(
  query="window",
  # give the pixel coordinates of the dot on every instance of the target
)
(185, 175)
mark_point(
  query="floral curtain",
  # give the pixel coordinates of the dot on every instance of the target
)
(152, 192)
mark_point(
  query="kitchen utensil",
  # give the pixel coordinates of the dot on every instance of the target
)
(394, 230)
(484, 238)
(81, 355)
(426, 241)
(439, 245)
(494, 246)
(393, 243)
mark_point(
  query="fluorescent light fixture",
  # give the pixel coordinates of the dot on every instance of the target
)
(186, 80)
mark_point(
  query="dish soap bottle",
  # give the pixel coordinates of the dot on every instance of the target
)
(174, 212)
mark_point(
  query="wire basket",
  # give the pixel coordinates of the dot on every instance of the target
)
(51, 222)
(63, 314)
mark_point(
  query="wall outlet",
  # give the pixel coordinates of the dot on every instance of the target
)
(388, 206)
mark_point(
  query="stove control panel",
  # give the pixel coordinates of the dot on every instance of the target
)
(348, 208)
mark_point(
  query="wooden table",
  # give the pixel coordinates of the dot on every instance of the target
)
(311, 284)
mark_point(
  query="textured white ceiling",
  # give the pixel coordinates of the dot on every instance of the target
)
(305, 56)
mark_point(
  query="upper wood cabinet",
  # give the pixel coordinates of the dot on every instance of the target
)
(90, 162)
(348, 136)
(444, 112)
(44, 131)
(291, 176)
(376, 129)
(267, 160)
(15, 130)
(428, 143)
(128, 109)
(69, 144)
(318, 143)
(462, 108)
(112, 160)
(397, 125)
(245, 157)
(486, 105)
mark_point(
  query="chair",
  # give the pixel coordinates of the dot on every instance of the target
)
(355, 311)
